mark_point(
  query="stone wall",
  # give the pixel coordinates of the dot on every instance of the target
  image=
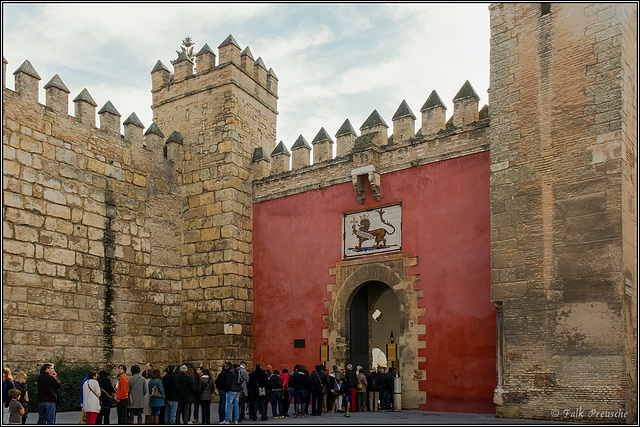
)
(91, 236)
(562, 210)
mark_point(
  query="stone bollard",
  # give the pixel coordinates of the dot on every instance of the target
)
(397, 394)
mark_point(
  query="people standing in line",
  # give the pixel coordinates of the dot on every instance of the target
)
(352, 380)
(122, 395)
(91, 397)
(20, 384)
(221, 385)
(107, 392)
(361, 392)
(286, 398)
(48, 386)
(345, 394)
(374, 389)
(275, 384)
(186, 389)
(137, 390)
(170, 384)
(243, 378)
(16, 410)
(155, 402)
(206, 393)
(7, 384)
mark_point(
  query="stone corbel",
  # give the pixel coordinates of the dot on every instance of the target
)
(358, 177)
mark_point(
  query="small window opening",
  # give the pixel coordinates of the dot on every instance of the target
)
(298, 343)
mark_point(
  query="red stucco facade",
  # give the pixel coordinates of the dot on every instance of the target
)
(446, 220)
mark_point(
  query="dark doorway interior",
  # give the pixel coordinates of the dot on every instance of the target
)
(359, 328)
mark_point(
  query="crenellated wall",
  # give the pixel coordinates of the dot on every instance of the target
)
(133, 247)
(91, 232)
(374, 152)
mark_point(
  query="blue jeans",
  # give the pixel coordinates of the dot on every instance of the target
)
(222, 411)
(46, 412)
(276, 403)
(170, 409)
(233, 398)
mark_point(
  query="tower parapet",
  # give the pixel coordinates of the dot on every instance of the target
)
(109, 118)
(345, 137)
(27, 79)
(433, 115)
(377, 127)
(465, 105)
(404, 123)
(206, 59)
(280, 159)
(301, 153)
(322, 147)
(85, 108)
(57, 94)
(229, 51)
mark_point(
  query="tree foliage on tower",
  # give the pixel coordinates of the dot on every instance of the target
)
(186, 48)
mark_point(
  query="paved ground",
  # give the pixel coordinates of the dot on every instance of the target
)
(382, 418)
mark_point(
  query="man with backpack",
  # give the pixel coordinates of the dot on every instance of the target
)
(374, 389)
(234, 387)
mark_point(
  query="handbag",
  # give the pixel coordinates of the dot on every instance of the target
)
(359, 386)
(112, 402)
(156, 393)
(262, 391)
(83, 419)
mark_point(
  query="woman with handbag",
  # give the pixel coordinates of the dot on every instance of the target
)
(91, 397)
(107, 398)
(156, 396)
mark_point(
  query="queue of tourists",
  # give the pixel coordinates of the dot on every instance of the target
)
(177, 394)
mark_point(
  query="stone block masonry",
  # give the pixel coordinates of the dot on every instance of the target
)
(563, 217)
(91, 241)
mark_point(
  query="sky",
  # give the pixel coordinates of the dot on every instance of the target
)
(333, 60)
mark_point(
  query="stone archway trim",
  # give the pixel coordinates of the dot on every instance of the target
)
(393, 270)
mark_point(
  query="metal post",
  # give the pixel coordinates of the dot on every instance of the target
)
(397, 394)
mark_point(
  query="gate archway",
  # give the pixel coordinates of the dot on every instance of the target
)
(388, 272)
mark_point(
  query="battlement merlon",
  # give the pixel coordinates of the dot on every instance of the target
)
(233, 68)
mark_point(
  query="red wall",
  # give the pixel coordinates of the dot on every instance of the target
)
(445, 223)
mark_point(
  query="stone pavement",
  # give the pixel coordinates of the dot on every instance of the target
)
(382, 418)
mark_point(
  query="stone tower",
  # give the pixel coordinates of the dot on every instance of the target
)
(563, 101)
(218, 116)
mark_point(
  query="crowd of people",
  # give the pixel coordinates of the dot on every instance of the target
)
(176, 394)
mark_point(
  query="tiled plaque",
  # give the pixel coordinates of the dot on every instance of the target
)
(372, 231)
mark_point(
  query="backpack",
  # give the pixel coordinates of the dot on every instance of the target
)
(373, 382)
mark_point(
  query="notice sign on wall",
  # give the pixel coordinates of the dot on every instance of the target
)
(372, 231)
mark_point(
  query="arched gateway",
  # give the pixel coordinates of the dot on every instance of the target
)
(359, 285)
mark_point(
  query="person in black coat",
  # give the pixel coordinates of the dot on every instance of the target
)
(258, 384)
(170, 384)
(221, 385)
(319, 385)
(186, 390)
(106, 391)
(384, 388)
